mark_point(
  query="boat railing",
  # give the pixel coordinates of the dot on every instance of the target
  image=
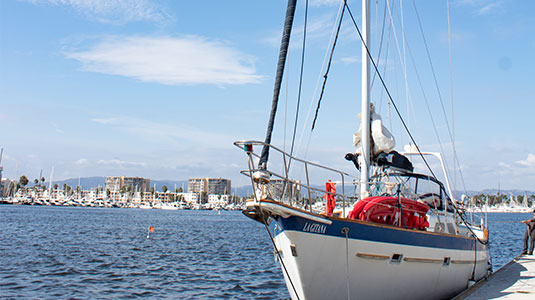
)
(280, 186)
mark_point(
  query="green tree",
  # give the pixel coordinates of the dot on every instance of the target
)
(180, 190)
(56, 186)
(164, 188)
(11, 190)
(67, 189)
(152, 190)
(23, 181)
(43, 181)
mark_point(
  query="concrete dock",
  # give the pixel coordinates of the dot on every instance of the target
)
(515, 280)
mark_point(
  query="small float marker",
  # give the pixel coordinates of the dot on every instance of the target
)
(151, 229)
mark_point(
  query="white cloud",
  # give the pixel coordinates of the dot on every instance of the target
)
(121, 163)
(489, 7)
(81, 162)
(167, 134)
(350, 59)
(325, 2)
(319, 29)
(103, 121)
(169, 60)
(112, 11)
(528, 162)
(482, 7)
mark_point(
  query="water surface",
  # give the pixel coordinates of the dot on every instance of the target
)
(82, 253)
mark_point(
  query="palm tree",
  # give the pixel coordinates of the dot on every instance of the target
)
(67, 189)
(23, 181)
(164, 188)
(11, 191)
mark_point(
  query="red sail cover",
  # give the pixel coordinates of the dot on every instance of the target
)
(385, 210)
(330, 189)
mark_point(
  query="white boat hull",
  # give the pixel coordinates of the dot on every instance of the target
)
(323, 265)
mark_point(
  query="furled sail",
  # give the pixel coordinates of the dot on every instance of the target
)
(382, 139)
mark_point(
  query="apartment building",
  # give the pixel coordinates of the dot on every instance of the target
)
(115, 183)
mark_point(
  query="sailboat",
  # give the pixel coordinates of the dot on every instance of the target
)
(389, 233)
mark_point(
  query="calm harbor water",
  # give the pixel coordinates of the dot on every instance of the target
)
(81, 253)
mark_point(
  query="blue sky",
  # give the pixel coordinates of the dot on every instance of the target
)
(161, 89)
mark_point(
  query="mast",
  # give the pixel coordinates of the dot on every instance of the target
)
(290, 12)
(364, 158)
(50, 181)
(1, 169)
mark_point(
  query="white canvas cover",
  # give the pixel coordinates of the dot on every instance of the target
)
(382, 139)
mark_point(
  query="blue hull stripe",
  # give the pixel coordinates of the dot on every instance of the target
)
(383, 234)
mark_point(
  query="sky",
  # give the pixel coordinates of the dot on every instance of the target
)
(161, 89)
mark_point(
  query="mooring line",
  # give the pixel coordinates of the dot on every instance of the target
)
(280, 257)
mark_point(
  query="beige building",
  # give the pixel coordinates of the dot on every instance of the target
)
(287, 189)
(209, 186)
(115, 183)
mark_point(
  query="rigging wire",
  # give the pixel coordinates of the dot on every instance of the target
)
(401, 59)
(325, 59)
(250, 162)
(280, 258)
(428, 108)
(432, 67)
(380, 42)
(327, 70)
(451, 134)
(384, 69)
(285, 41)
(451, 95)
(300, 81)
(287, 85)
(426, 100)
(386, 89)
(403, 42)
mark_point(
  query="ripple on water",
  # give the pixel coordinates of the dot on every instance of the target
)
(84, 253)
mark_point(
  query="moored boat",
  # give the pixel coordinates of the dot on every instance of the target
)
(397, 234)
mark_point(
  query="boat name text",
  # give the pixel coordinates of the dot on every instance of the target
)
(315, 228)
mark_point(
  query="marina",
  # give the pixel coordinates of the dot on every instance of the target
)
(124, 192)
(105, 202)
(288, 150)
